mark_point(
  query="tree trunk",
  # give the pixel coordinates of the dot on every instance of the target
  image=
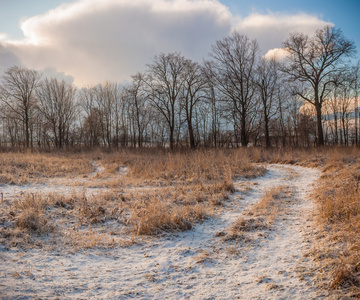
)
(320, 140)
(171, 138)
(267, 134)
(243, 133)
(191, 135)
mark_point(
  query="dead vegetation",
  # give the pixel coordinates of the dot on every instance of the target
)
(124, 194)
(28, 167)
(148, 191)
(159, 167)
(338, 197)
(259, 216)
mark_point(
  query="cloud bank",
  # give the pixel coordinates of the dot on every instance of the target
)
(272, 29)
(94, 41)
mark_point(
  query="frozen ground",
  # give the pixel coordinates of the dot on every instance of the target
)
(196, 264)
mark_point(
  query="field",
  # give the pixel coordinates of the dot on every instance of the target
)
(204, 224)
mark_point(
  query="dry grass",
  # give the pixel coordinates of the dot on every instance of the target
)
(156, 216)
(202, 257)
(88, 238)
(29, 213)
(153, 213)
(36, 218)
(261, 215)
(149, 191)
(67, 219)
(202, 166)
(308, 157)
(270, 203)
(338, 198)
(141, 192)
(20, 168)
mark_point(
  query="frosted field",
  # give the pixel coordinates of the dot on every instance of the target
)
(201, 263)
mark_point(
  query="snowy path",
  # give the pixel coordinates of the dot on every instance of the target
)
(196, 264)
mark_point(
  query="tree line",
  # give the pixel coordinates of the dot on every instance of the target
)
(236, 97)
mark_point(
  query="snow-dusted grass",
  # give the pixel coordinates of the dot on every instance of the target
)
(203, 224)
(149, 191)
(95, 253)
(261, 215)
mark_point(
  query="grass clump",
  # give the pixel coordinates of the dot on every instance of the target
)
(157, 211)
(30, 213)
(155, 216)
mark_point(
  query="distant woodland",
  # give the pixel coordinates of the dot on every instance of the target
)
(305, 97)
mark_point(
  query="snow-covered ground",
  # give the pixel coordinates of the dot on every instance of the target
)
(196, 264)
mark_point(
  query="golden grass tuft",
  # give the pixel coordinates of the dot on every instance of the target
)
(32, 220)
(156, 214)
(345, 276)
(29, 213)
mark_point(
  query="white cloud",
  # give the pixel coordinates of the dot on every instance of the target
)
(272, 29)
(277, 54)
(94, 41)
(112, 39)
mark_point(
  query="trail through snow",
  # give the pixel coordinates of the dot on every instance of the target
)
(196, 264)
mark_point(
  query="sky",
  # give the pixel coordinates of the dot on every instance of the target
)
(90, 41)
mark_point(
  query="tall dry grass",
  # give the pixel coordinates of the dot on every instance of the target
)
(338, 198)
(35, 217)
(201, 166)
(20, 168)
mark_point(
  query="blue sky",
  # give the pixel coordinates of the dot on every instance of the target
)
(88, 36)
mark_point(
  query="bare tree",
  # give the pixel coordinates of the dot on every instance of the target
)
(283, 105)
(103, 108)
(140, 110)
(356, 85)
(194, 86)
(214, 104)
(234, 65)
(313, 61)
(11, 126)
(57, 105)
(107, 101)
(268, 82)
(332, 109)
(166, 80)
(18, 86)
(92, 117)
